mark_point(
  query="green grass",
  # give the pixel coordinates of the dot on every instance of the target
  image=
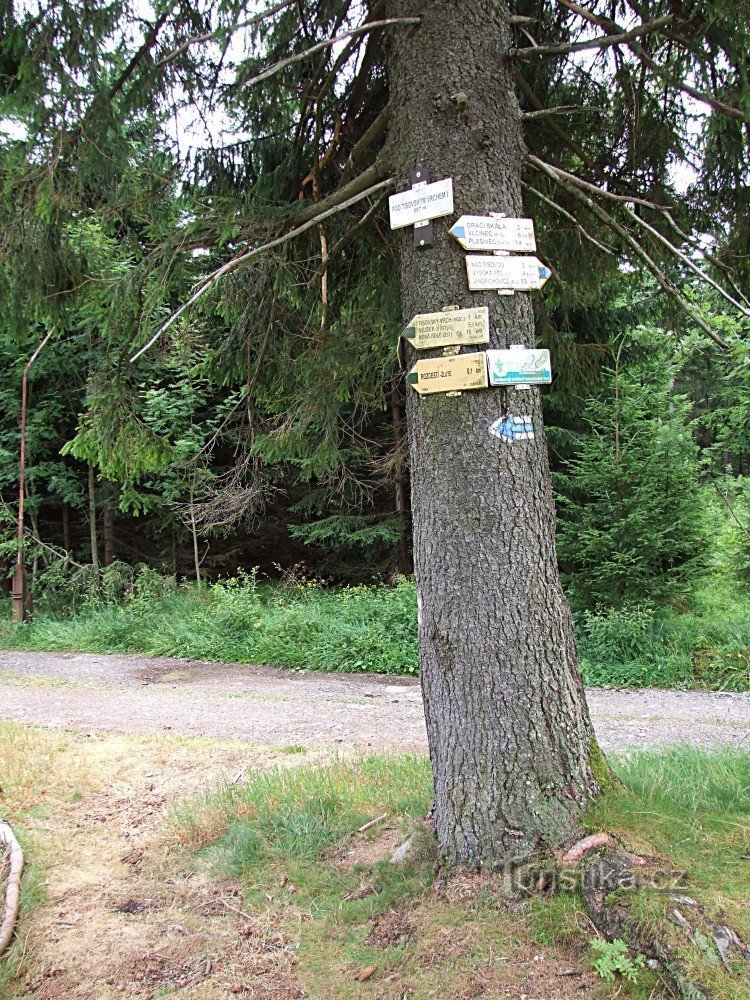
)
(293, 828)
(373, 629)
(370, 629)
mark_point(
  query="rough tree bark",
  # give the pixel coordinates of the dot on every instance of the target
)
(512, 748)
(92, 520)
(108, 522)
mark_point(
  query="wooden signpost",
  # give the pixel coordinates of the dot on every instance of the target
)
(443, 329)
(421, 203)
(519, 366)
(452, 374)
(520, 274)
(480, 232)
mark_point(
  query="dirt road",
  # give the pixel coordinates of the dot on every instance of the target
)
(263, 705)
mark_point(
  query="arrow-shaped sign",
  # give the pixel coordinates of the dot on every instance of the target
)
(521, 274)
(457, 326)
(453, 374)
(480, 232)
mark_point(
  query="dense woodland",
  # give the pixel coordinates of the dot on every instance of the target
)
(265, 427)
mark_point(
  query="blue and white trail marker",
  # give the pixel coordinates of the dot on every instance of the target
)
(510, 428)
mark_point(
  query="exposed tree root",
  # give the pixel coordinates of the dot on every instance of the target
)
(676, 932)
(13, 888)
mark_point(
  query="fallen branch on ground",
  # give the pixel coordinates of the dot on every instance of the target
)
(13, 888)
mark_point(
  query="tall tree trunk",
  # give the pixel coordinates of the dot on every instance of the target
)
(92, 520)
(403, 562)
(511, 743)
(108, 524)
(66, 525)
(173, 550)
(194, 533)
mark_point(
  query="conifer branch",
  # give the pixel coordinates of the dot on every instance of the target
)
(624, 200)
(230, 265)
(208, 35)
(327, 43)
(568, 215)
(687, 261)
(561, 109)
(348, 237)
(576, 187)
(612, 28)
(600, 42)
(148, 43)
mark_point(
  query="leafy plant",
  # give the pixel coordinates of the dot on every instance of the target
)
(611, 959)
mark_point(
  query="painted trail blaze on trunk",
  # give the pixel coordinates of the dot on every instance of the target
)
(511, 742)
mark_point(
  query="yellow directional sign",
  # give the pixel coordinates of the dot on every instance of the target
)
(453, 374)
(457, 326)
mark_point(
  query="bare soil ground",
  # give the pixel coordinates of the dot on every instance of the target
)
(118, 918)
(103, 747)
(124, 915)
(268, 706)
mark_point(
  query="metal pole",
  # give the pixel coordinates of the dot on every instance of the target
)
(18, 588)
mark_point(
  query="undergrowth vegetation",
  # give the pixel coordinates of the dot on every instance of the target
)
(293, 842)
(373, 629)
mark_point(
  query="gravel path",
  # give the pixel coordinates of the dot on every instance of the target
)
(285, 707)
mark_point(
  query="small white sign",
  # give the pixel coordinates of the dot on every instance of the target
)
(522, 274)
(419, 204)
(519, 366)
(480, 232)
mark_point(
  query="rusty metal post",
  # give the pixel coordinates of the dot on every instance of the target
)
(21, 610)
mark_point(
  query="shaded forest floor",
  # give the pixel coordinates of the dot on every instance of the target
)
(161, 865)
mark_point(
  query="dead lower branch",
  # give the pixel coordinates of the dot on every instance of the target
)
(208, 35)
(613, 28)
(569, 215)
(13, 888)
(363, 29)
(600, 42)
(576, 187)
(230, 265)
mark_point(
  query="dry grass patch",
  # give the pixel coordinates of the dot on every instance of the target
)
(106, 914)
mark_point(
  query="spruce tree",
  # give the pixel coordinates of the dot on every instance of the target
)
(633, 511)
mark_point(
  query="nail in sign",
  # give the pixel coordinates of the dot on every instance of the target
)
(480, 232)
(428, 201)
(454, 374)
(522, 274)
(441, 329)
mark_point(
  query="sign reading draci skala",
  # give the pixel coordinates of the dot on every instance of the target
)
(443, 329)
(481, 232)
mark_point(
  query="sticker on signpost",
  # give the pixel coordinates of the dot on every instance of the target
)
(519, 366)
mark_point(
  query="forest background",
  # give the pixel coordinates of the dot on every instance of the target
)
(241, 491)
